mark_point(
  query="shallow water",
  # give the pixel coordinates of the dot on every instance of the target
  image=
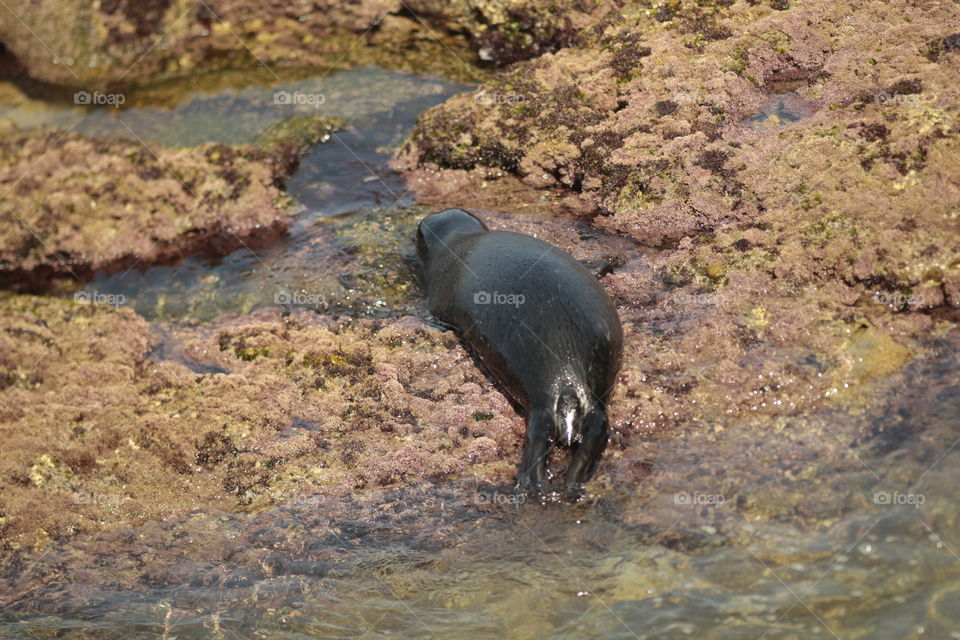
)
(869, 551)
(345, 249)
(780, 110)
(438, 562)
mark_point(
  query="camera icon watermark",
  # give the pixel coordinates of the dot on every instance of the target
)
(896, 299)
(697, 299)
(96, 297)
(298, 298)
(897, 498)
(308, 501)
(98, 99)
(298, 98)
(698, 499)
(495, 297)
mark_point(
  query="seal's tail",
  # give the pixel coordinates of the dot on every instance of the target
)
(569, 412)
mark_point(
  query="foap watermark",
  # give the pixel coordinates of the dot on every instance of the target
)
(307, 501)
(487, 297)
(887, 98)
(698, 299)
(897, 300)
(87, 497)
(299, 98)
(501, 499)
(298, 298)
(698, 499)
(98, 99)
(96, 297)
(496, 97)
(896, 498)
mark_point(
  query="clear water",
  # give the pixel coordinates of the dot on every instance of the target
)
(780, 110)
(831, 560)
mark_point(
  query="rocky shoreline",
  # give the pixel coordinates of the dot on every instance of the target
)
(768, 273)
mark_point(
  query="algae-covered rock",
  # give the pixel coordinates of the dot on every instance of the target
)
(88, 44)
(649, 125)
(775, 277)
(106, 421)
(76, 204)
(793, 262)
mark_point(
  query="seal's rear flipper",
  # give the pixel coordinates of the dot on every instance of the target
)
(587, 456)
(533, 464)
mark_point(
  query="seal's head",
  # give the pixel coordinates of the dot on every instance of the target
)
(438, 230)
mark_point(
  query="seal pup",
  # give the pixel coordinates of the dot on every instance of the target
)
(540, 323)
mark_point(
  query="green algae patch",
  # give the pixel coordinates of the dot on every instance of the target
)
(288, 140)
(715, 272)
(382, 269)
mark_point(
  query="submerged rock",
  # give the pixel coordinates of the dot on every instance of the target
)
(76, 204)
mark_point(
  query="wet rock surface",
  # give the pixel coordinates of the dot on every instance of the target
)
(75, 204)
(679, 524)
(249, 410)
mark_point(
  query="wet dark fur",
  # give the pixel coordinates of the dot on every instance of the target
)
(556, 351)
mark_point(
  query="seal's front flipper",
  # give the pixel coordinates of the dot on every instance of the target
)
(533, 465)
(589, 451)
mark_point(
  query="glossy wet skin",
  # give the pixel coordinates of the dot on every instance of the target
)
(539, 322)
